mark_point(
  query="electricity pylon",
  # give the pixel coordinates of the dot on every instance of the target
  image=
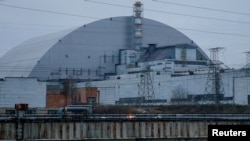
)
(146, 89)
(214, 85)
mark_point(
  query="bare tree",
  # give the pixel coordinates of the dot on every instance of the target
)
(179, 95)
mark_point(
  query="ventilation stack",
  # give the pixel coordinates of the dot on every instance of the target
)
(138, 24)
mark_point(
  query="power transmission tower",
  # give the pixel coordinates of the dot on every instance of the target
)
(247, 70)
(214, 85)
(146, 90)
(248, 59)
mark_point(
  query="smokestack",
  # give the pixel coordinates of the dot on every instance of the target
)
(138, 24)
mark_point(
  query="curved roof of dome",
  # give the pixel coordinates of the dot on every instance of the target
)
(83, 47)
(20, 60)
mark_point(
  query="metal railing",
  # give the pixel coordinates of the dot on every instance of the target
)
(111, 117)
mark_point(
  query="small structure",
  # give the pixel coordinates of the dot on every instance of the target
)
(57, 97)
(20, 108)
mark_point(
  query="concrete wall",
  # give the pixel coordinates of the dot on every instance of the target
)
(164, 84)
(81, 95)
(242, 90)
(57, 100)
(112, 130)
(22, 90)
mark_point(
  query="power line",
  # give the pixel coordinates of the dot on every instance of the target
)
(67, 14)
(118, 5)
(195, 30)
(212, 32)
(152, 10)
(204, 8)
(179, 14)
(46, 11)
(40, 25)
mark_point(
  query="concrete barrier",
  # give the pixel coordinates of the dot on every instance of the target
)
(109, 130)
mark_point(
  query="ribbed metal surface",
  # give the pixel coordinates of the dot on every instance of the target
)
(88, 51)
(20, 61)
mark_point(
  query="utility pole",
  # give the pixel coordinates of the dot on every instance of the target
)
(214, 85)
(146, 89)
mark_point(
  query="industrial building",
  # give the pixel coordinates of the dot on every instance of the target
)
(22, 90)
(102, 48)
(124, 60)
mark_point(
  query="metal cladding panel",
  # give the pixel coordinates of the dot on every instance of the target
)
(90, 51)
(159, 54)
(22, 90)
(20, 61)
(162, 34)
(190, 54)
(242, 90)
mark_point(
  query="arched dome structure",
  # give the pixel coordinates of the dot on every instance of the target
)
(87, 52)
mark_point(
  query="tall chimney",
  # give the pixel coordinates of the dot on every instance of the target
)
(138, 24)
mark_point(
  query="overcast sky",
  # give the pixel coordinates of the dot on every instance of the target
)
(209, 23)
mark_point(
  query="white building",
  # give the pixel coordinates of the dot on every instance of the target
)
(236, 86)
(22, 90)
(113, 54)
